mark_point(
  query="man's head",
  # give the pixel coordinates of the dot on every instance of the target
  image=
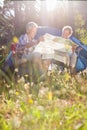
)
(31, 29)
(67, 31)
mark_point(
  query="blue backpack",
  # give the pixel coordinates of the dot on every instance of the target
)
(81, 63)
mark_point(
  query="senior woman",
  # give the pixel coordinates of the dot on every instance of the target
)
(70, 46)
(67, 31)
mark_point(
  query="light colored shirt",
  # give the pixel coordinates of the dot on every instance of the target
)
(23, 41)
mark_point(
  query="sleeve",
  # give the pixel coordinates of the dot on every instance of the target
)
(21, 40)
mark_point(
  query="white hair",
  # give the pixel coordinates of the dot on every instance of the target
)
(67, 28)
(30, 25)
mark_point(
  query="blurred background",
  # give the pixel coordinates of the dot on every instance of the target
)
(15, 14)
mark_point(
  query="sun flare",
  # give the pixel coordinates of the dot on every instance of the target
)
(51, 4)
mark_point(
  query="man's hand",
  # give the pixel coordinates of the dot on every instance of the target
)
(41, 39)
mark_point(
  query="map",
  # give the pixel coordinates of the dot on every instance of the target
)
(54, 47)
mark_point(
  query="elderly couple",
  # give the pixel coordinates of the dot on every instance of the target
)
(27, 43)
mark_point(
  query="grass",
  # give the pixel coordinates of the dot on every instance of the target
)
(57, 103)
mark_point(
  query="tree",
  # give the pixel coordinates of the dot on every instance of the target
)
(6, 22)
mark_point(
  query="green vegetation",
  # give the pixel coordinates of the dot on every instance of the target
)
(57, 103)
(80, 29)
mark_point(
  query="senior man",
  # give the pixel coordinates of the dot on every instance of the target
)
(27, 61)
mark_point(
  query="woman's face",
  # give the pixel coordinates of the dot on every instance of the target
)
(66, 34)
(32, 33)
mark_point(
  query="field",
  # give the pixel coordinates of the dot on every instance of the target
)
(59, 102)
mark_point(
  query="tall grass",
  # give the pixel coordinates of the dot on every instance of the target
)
(57, 103)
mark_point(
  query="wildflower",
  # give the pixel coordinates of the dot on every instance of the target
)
(36, 103)
(67, 76)
(15, 39)
(26, 75)
(50, 95)
(26, 86)
(49, 73)
(30, 101)
(3, 47)
(17, 93)
(16, 70)
(42, 92)
(21, 80)
(41, 83)
(11, 91)
(8, 86)
(32, 84)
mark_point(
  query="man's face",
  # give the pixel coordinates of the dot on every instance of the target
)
(66, 34)
(32, 32)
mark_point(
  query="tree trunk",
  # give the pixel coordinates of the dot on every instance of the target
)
(17, 17)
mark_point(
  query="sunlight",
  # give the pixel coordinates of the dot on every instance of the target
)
(50, 4)
(1, 3)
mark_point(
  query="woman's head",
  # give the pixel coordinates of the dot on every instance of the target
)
(67, 31)
(31, 29)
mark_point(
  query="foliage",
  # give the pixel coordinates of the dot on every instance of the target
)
(80, 29)
(6, 23)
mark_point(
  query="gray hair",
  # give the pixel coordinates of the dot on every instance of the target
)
(67, 28)
(30, 25)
